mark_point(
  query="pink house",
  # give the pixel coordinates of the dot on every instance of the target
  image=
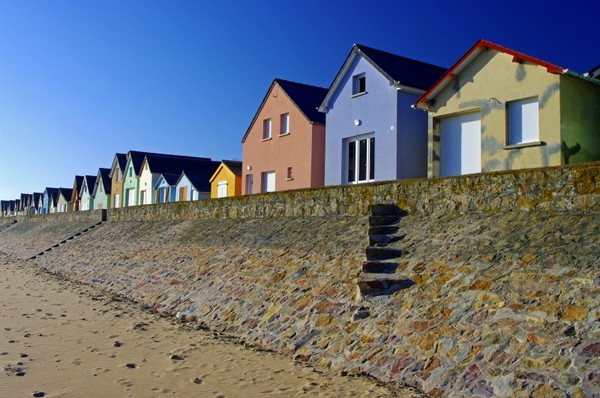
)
(284, 147)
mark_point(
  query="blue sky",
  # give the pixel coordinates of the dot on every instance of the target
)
(82, 80)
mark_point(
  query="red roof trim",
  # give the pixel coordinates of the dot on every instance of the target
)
(484, 45)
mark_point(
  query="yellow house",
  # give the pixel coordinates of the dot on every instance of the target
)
(498, 109)
(226, 180)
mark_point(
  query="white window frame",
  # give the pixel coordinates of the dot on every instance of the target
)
(353, 169)
(267, 129)
(359, 84)
(284, 124)
(523, 121)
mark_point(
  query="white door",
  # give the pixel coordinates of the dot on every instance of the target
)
(117, 204)
(130, 197)
(222, 189)
(268, 181)
(460, 151)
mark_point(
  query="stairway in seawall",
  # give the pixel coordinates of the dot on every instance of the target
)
(380, 274)
(66, 240)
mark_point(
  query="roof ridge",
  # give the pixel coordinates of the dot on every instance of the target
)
(277, 79)
(396, 55)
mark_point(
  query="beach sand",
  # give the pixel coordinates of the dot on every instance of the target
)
(61, 339)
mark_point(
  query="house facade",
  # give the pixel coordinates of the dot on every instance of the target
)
(192, 185)
(372, 132)
(226, 180)
(165, 187)
(284, 146)
(63, 201)
(117, 172)
(101, 191)
(498, 109)
(74, 200)
(131, 178)
(49, 200)
(156, 164)
(86, 199)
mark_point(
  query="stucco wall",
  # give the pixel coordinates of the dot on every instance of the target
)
(580, 120)
(293, 150)
(376, 111)
(487, 84)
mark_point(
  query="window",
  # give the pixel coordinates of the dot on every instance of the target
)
(523, 121)
(117, 175)
(359, 84)
(130, 172)
(360, 160)
(222, 189)
(268, 181)
(285, 124)
(290, 174)
(266, 129)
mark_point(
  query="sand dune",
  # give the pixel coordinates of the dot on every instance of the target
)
(59, 339)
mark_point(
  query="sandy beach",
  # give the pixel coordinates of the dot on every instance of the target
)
(61, 339)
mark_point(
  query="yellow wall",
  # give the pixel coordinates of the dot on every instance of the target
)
(234, 183)
(490, 81)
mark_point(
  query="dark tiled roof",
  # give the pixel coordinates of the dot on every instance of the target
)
(235, 166)
(171, 178)
(52, 192)
(137, 158)
(307, 98)
(90, 181)
(200, 180)
(174, 164)
(121, 160)
(105, 179)
(65, 192)
(36, 198)
(404, 70)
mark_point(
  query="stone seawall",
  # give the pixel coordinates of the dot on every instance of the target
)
(505, 301)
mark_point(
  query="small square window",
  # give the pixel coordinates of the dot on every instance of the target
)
(359, 84)
(523, 121)
(266, 129)
(285, 124)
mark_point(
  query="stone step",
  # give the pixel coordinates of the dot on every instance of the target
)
(375, 221)
(382, 253)
(377, 284)
(385, 230)
(384, 239)
(382, 209)
(379, 267)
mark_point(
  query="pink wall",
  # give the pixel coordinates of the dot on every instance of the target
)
(302, 149)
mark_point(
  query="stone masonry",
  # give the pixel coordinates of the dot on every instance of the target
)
(504, 301)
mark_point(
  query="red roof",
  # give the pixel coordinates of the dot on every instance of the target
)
(480, 46)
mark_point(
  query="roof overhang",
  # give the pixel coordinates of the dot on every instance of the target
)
(479, 47)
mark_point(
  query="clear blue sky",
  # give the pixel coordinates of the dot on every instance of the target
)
(81, 80)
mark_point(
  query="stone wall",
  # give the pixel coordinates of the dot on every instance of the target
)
(506, 271)
(558, 188)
